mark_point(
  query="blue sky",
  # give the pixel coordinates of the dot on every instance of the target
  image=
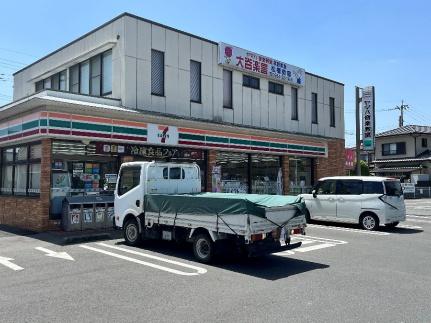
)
(381, 43)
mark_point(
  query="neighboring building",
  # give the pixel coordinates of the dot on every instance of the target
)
(134, 89)
(403, 152)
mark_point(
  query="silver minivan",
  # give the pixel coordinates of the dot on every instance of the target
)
(367, 200)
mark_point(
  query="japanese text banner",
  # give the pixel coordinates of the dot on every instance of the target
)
(248, 61)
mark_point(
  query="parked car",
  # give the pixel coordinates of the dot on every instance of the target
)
(367, 200)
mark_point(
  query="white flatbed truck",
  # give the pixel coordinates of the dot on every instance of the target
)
(156, 200)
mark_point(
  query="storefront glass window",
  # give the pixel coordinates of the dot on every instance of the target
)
(20, 184)
(230, 175)
(21, 153)
(7, 179)
(266, 175)
(35, 151)
(21, 174)
(300, 175)
(34, 179)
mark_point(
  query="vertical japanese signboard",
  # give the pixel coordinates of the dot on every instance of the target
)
(247, 61)
(368, 118)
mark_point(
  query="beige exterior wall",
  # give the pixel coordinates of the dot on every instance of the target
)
(411, 151)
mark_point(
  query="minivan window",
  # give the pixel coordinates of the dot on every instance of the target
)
(349, 187)
(393, 188)
(372, 187)
(325, 187)
(175, 173)
(129, 179)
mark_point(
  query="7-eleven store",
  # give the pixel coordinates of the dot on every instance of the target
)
(58, 144)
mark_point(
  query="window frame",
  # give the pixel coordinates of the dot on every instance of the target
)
(314, 108)
(274, 86)
(231, 89)
(102, 81)
(163, 73)
(424, 142)
(294, 116)
(397, 151)
(199, 100)
(332, 112)
(248, 83)
(341, 182)
(14, 163)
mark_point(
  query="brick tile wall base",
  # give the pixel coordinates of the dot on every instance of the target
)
(31, 213)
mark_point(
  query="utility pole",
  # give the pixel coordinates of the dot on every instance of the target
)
(401, 108)
(358, 132)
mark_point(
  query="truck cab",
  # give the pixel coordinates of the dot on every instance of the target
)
(136, 179)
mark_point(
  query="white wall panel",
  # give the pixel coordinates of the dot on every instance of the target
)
(196, 49)
(264, 109)
(171, 89)
(207, 98)
(183, 99)
(246, 106)
(158, 38)
(272, 107)
(130, 82)
(237, 102)
(207, 59)
(184, 51)
(218, 109)
(255, 108)
(143, 85)
(171, 55)
(144, 40)
(158, 103)
(130, 36)
(196, 110)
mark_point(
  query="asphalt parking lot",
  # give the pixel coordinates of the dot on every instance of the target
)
(339, 274)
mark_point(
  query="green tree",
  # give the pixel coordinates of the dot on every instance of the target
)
(365, 171)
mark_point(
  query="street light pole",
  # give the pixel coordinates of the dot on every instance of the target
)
(358, 132)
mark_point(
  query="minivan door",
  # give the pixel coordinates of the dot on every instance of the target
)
(323, 206)
(395, 199)
(349, 200)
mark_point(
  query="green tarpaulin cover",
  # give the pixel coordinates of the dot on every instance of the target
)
(219, 203)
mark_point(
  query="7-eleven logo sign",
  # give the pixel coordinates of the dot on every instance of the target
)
(161, 134)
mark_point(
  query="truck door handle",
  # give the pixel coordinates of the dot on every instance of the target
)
(138, 203)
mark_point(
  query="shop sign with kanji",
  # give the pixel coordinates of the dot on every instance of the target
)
(248, 61)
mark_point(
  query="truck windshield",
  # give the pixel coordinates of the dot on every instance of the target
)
(393, 188)
(129, 178)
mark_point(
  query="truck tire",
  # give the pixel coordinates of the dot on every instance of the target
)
(369, 222)
(131, 233)
(203, 248)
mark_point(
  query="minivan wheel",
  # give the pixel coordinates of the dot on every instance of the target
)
(131, 233)
(392, 225)
(369, 222)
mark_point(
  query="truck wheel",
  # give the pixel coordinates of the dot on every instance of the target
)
(392, 225)
(369, 222)
(131, 233)
(203, 248)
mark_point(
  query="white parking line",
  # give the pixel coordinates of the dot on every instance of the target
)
(378, 233)
(419, 216)
(406, 226)
(319, 243)
(199, 270)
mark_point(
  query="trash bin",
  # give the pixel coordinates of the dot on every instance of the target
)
(88, 212)
(72, 214)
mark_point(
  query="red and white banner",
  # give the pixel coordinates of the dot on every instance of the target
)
(260, 65)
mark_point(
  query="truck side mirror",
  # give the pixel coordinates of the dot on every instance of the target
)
(314, 192)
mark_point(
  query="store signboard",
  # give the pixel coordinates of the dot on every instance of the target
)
(368, 118)
(408, 187)
(247, 61)
(149, 151)
(164, 135)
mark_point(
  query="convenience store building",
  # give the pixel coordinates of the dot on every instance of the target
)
(134, 89)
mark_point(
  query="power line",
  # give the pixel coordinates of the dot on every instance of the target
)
(402, 107)
(17, 52)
